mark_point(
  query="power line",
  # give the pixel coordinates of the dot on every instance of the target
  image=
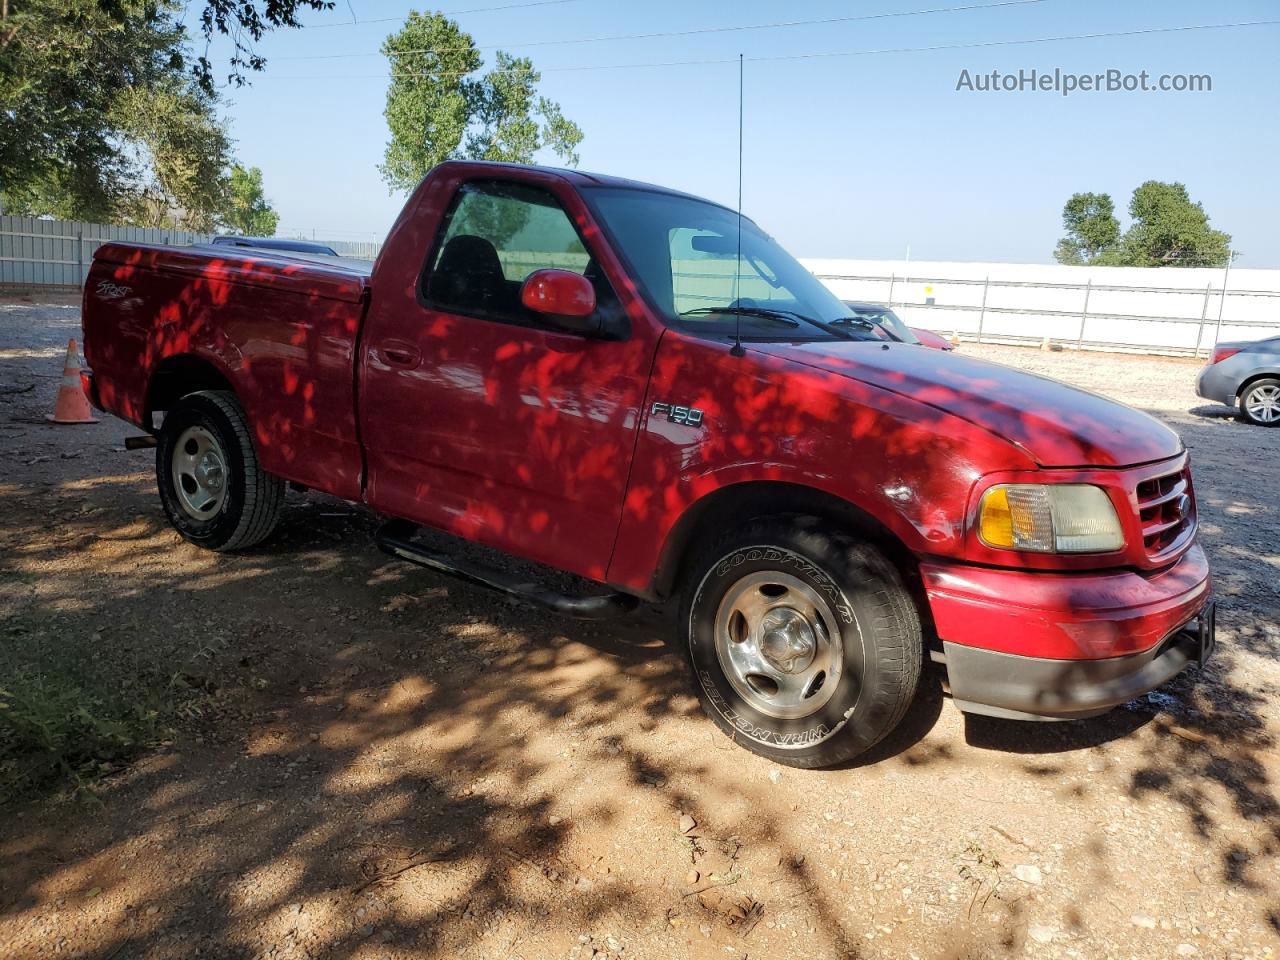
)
(1004, 43)
(671, 34)
(808, 56)
(447, 13)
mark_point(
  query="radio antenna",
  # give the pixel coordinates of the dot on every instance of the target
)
(737, 350)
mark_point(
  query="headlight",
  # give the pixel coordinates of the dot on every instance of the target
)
(1049, 518)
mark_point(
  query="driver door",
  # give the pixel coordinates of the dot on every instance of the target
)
(480, 419)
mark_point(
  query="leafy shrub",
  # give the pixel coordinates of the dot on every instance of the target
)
(53, 727)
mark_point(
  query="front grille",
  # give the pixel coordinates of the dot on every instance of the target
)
(1166, 510)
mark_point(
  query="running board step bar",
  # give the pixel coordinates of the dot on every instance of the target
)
(396, 538)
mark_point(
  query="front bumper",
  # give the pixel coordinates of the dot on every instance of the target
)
(1031, 643)
(1032, 688)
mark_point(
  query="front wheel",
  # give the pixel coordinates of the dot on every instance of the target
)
(214, 491)
(1260, 404)
(805, 645)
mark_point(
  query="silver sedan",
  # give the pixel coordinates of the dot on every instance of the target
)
(1246, 375)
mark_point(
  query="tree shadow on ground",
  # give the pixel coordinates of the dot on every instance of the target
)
(374, 725)
(397, 761)
(389, 762)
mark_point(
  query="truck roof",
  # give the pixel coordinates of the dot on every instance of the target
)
(580, 178)
(320, 276)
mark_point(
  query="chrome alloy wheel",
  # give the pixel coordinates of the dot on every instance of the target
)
(779, 645)
(1263, 404)
(199, 469)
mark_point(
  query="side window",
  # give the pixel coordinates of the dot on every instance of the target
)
(495, 235)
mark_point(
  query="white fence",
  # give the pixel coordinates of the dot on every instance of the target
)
(1166, 310)
(57, 253)
(1172, 310)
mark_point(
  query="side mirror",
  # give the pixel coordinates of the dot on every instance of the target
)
(564, 298)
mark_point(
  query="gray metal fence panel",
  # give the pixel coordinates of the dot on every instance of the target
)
(35, 252)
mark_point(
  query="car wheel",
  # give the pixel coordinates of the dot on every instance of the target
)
(804, 644)
(214, 491)
(1260, 403)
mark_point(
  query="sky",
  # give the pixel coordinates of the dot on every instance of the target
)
(857, 142)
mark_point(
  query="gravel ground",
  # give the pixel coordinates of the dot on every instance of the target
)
(387, 763)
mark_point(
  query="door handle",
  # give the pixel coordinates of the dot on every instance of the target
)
(401, 355)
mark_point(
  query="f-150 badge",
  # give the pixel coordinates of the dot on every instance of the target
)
(687, 415)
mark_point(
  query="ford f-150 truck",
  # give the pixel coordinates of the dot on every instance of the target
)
(600, 376)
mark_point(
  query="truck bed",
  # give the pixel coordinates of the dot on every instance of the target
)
(329, 277)
(278, 328)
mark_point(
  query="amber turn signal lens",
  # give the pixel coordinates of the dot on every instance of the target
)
(997, 521)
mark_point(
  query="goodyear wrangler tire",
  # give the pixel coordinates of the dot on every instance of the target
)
(214, 491)
(805, 646)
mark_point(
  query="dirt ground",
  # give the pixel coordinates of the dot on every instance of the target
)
(384, 763)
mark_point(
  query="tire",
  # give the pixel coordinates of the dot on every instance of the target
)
(743, 607)
(214, 491)
(1264, 396)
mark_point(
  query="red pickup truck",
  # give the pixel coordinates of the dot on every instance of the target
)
(584, 372)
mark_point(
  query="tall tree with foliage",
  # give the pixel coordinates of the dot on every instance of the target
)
(247, 211)
(51, 26)
(1168, 229)
(180, 154)
(440, 107)
(64, 64)
(1092, 228)
(104, 116)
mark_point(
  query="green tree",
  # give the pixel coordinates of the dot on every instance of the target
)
(1092, 228)
(439, 107)
(63, 66)
(102, 119)
(244, 22)
(63, 26)
(247, 212)
(1168, 229)
(180, 153)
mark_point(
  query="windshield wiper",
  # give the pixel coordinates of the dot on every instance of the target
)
(861, 321)
(773, 313)
(778, 315)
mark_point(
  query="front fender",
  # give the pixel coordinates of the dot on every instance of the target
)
(909, 466)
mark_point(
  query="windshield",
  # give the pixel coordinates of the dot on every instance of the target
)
(682, 251)
(885, 318)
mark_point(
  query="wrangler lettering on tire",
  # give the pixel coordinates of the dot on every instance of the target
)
(805, 646)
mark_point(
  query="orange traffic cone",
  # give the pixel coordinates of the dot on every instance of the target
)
(72, 406)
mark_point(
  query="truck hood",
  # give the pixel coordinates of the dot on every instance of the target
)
(1057, 425)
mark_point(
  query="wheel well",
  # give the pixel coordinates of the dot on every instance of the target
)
(738, 503)
(1264, 375)
(179, 375)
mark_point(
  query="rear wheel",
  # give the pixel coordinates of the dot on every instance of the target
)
(805, 645)
(1260, 403)
(214, 491)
